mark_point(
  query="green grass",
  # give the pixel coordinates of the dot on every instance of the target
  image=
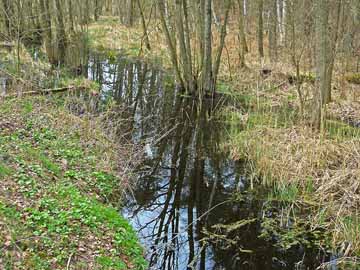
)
(4, 170)
(58, 204)
(285, 193)
(341, 131)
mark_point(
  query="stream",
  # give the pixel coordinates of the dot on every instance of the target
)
(185, 190)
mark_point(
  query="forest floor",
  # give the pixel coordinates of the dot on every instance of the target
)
(58, 175)
(318, 170)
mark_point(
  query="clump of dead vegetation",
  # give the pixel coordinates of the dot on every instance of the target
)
(299, 156)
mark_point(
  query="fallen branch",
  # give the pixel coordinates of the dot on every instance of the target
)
(46, 91)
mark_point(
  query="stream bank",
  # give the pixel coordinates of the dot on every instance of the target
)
(58, 175)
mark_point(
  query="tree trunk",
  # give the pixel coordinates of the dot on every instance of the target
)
(130, 13)
(222, 44)
(46, 21)
(281, 12)
(143, 24)
(170, 43)
(185, 61)
(71, 16)
(260, 30)
(61, 35)
(207, 82)
(8, 16)
(273, 31)
(188, 45)
(200, 32)
(322, 63)
(242, 36)
(97, 10)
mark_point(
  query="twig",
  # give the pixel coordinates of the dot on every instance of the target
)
(69, 261)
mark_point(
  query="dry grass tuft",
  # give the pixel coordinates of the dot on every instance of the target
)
(298, 156)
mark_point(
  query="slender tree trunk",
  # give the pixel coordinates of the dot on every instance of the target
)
(86, 12)
(130, 13)
(170, 43)
(185, 61)
(71, 16)
(46, 21)
(334, 36)
(208, 83)
(97, 10)
(61, 35)
(8, 17)
(242, 36)
(260, 28)
(188, 45)
(144, 27)
(200, 32)
(273, 31)
(222, 43)
(322, 51)
(281, 12)
(287, 20)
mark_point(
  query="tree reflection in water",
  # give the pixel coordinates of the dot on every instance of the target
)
(185, 183)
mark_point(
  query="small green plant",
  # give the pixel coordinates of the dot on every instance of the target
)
(105, 182)
(4, 170)
(49, 165)
(285, 193)
(28, 107)
(110, 263)
(27, 184)
(72, 174)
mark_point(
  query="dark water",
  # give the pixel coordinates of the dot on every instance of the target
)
(186, 183)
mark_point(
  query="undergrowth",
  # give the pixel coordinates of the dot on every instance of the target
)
(59, 193)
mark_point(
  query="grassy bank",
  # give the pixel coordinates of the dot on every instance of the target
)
(319, 172)
(108, 34)
(58, 175)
